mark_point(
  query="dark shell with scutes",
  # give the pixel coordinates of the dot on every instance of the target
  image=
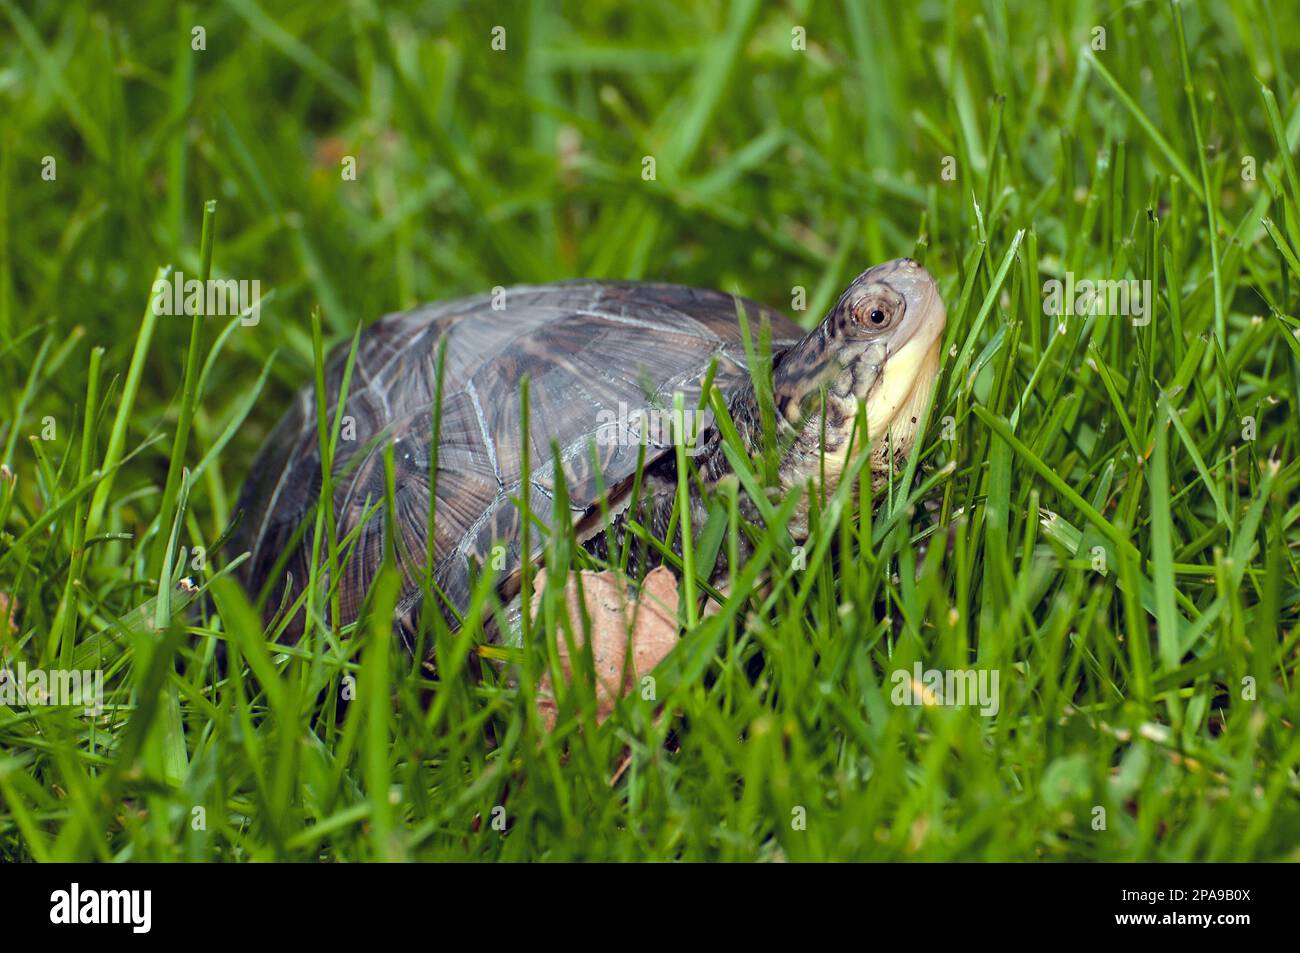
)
(594, 352)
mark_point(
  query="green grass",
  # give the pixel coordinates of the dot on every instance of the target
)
(1105, 530)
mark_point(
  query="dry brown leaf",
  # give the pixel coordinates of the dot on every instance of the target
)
(650, 616)
(8, 611)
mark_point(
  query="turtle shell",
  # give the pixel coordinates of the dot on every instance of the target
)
(597, 354)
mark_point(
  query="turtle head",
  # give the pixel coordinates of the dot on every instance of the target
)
(878, 344)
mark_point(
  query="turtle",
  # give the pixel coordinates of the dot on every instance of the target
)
(604, 360)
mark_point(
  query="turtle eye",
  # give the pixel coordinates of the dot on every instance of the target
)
(872, 314)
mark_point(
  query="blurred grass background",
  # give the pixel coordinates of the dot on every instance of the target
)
(776, 167)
